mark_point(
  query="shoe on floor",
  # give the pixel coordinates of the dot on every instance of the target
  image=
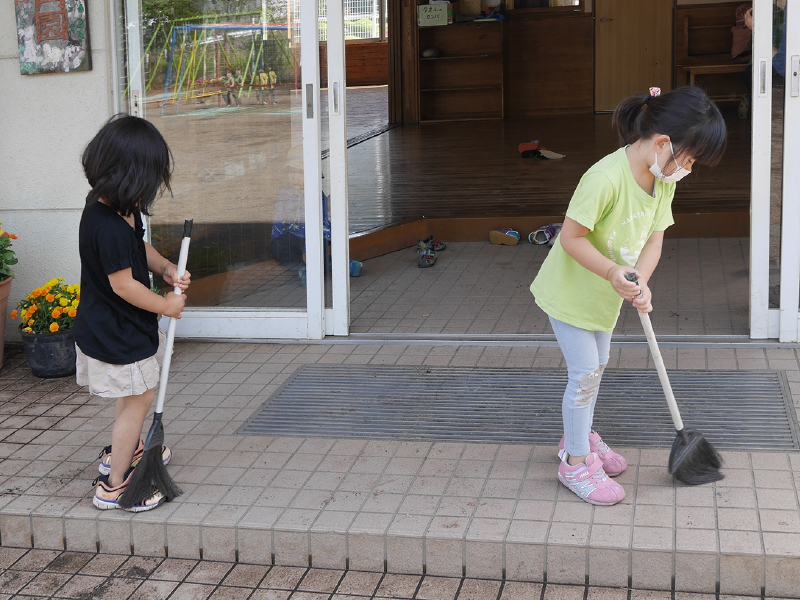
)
(105, 457)
(107, 497)
(426, 259)
(545, 235)
(355, 268)
(434, 244)
(590, 482)
(613, 464)
(505, 237)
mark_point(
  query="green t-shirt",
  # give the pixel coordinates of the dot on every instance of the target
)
(620, 217)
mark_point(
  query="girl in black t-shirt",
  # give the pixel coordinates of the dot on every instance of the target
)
(119, 346)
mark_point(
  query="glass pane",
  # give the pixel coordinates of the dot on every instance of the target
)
(324, 122)
(224, 89)
(776, 181)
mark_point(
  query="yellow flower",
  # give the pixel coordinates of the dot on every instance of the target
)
(63, 302)
(13, 314)
(30, 322)
(75, 302)
(53, 282)
(53, 327)
(72, 312)
(28, 330)
(50, 298)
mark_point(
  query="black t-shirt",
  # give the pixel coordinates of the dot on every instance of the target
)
(107, 327)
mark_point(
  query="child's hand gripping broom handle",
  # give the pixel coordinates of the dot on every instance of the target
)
(182, 258)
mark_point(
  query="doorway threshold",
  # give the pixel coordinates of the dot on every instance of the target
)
(516, 340)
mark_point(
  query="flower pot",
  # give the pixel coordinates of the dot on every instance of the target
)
(5, 290)
(50, 354)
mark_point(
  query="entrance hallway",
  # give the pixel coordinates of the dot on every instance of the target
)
(473, 169)
(699, 288)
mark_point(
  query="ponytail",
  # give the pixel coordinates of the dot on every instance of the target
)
(686, 114)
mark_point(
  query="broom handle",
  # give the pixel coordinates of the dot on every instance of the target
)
(182, 258)
(662, 371)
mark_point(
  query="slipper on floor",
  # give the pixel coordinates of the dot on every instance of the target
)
(506, 237)
(427, 259)
(434, 244)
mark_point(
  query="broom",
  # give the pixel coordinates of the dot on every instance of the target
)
(151, 474)
(693, 459)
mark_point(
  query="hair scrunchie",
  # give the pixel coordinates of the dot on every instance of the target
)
(654, 91)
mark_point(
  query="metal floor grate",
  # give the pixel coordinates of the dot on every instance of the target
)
(736, 410)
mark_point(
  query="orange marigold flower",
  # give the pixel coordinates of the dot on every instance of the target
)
(50, 298)
(53, 327)
(28, 330)
(36, 293)
(12, 236)
(13, 314)
(30, 322)
(72, 313)
(56, 312)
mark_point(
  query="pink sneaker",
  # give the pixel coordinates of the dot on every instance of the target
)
(589, 481)
(613, 463)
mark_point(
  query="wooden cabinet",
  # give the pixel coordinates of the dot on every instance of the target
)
(465, 80)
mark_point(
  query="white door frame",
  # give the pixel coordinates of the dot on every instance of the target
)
(338, 319)
(781, 323)
(266, 323)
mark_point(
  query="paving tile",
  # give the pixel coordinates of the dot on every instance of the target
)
(192, 591)
(173, 569)
(283, 578)
(398, 586)
(359, 583)
(208, 571)
(563, 592)
(13, 581)
(438, 588)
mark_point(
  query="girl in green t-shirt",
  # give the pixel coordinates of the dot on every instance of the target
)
(615, 226)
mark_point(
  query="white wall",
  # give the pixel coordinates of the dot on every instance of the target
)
(45, 121)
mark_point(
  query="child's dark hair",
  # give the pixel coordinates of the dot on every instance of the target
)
(127, 163)
(686, 114)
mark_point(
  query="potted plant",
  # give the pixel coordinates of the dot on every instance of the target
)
(47, 316)
(7, 259)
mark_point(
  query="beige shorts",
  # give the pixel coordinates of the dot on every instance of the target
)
(118, 381)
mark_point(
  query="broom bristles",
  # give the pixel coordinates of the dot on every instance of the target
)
(700, 465)
(148, 476)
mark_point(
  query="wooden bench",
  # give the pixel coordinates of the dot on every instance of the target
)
(703, 41)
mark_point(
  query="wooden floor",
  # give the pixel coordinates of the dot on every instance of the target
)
(473, 169)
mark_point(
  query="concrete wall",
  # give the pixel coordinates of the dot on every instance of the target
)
(46, 120)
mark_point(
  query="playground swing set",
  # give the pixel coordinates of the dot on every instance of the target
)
(270, 42)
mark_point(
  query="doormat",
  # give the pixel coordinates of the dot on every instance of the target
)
(736, 410)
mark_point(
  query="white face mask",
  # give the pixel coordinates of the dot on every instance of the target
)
(673, 177)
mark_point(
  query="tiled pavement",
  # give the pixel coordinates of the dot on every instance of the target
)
(26, 574)
(445, 509)
(479, 288)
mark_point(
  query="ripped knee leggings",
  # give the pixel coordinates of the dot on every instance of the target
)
(586, 355)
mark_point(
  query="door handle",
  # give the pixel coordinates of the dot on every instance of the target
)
(795, 68)
(336, 98)
(604, 19)
(309, 101)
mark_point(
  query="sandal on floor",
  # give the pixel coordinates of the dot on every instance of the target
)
(434, 244)
(105, 457)
(107, 497)
(506, 237)
(427, 259)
